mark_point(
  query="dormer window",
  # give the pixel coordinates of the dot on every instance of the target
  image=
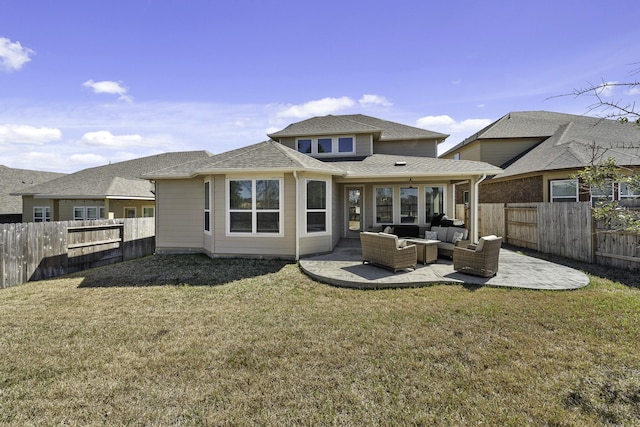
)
(326, 146)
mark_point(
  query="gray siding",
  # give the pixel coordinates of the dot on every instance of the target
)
(223, 245)
(180, 214)
(420, 148)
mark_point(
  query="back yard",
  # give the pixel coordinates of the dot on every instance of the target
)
(185, 340)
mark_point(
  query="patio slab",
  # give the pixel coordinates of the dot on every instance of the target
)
(343, 267)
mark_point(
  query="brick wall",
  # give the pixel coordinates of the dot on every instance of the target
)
(523, 190)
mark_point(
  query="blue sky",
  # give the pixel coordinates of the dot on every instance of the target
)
(83, 83)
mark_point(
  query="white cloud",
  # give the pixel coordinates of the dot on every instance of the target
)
(320, 107)
(448, 125)
(22, 134)
(635, 90)
(109, 87)
(103, 138)
(369, 100)
(606, 89)
(87, 159)
(13, 55)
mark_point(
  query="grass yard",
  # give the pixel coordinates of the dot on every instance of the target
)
(185, 340)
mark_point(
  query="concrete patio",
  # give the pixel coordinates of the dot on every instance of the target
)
(343, 267)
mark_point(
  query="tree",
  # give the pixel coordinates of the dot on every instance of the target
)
(603, 172)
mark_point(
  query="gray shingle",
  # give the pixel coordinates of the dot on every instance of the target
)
(15, 180)
(113, 180)
(355, 123)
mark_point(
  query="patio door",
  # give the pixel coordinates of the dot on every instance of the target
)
(354, 211)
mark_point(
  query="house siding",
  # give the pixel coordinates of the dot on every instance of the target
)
(419, 148)
(254, 245)
(29, 202)
(180, 215)
(500, 151)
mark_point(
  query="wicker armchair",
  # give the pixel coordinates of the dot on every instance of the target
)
(382, 249)
(479, 260)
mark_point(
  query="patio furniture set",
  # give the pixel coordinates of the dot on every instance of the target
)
(399, 249)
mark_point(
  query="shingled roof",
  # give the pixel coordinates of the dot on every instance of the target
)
(13, 181)
(579, 143)
(118, 180)
(264, 156)
(355, 124)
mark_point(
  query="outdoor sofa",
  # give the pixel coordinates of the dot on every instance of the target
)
(479, 260)
(449, 238)
(387, 251)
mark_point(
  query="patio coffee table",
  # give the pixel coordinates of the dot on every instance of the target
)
(427, 250)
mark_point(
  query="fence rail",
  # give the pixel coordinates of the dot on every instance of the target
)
(35, 251)
(564, 229)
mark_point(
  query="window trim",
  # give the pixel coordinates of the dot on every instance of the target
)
(393, 205)
(552, 197)
(153, 209)
(46, 213)
(326, 210)
(207, 207)
(626, 196)
(254, 211)
(124, 212)
(335, 145)
(100, 211)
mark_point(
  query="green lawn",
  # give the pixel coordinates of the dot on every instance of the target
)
(185, 340)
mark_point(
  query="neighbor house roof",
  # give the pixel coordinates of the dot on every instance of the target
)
(577, 144)
(526, 124)
(354, 124)
(263, 156)
(15, 180)
(114, 181)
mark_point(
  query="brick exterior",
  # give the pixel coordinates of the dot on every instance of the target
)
(523, 190)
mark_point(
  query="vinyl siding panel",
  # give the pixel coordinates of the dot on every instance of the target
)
(255, 245)
(419, 148)
(180, 214)
(498, 152)
(28, 203)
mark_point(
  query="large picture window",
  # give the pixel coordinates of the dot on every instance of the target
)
(384, 205)
(316, 206)
(564, 190)
(254, 206)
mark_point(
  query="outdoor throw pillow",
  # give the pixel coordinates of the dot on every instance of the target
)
(431, 235)
(402, 243)
(457, 237)
(388, 230)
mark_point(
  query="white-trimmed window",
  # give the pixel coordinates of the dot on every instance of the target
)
(316, 206)
(384, 205)
(327, 145)
(41, 214)
(625, 191)
(564, 190)
(207, 206)
(409, 205)
(254, 206)
(81, 213)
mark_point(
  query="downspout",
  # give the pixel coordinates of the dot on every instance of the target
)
(476, 207)
(295, 176)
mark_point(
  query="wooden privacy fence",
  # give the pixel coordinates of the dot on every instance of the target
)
(35, 251)
(564, 229)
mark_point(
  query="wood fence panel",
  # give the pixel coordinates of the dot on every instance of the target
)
(35, 251)
(617, 249)
(521, 224)
(491, 219)
(567, 230)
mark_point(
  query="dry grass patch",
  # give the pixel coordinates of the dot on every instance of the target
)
(139, 343)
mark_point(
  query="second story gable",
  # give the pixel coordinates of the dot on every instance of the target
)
(357, 135)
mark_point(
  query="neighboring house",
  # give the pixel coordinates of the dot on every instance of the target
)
(13, 180)
(313, 183)
(540, 150)
(110, 191)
